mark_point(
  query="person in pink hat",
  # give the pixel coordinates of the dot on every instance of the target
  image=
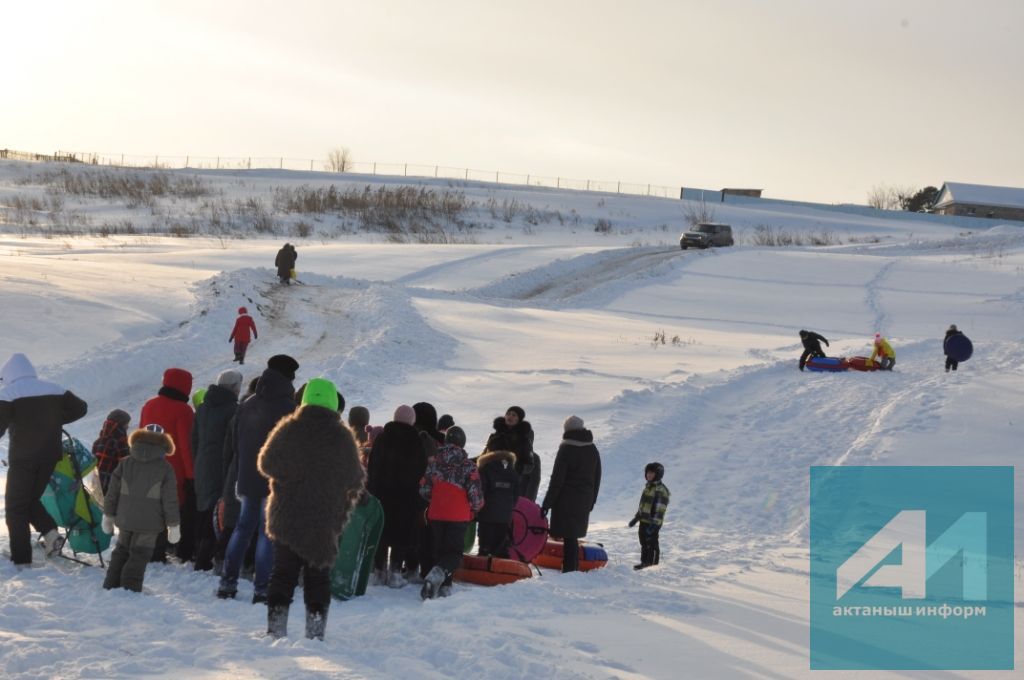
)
(885, 352)
(240, 334)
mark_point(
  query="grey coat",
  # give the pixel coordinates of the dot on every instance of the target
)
(143, 492)
(312, 462)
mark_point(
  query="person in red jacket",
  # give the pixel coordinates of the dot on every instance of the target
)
(451, 485)
(171, 410)
(240, 334)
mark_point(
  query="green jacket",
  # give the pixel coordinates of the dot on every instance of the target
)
(653, 503)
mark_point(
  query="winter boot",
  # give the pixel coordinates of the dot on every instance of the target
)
(444, 591)
(640, 566)
(396, 580)
(277, 621)
(53, 543)
(259, 598)
(316, 622)
(432, 583)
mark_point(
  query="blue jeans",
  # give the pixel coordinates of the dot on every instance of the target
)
(252, 517)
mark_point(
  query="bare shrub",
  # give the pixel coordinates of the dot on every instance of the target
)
(822, 238)
(135, 188)
(603, 226)
(890, 196)
(302, 229)
(771, 235)
(254, 213)
(698, 212)
(339, 159)
(181, 230)
(509, 209)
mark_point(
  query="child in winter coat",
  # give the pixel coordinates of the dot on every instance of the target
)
(500, 483)
(111, 446)
(651, 515)
(312, 462)
(952, 332)
(883, 349)
(451, 485)
(244, 325)
(142, 501)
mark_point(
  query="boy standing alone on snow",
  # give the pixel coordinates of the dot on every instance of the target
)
(651, 515)
(142, 501)
(244, 325)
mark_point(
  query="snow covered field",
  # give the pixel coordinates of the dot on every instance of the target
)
(560, 319)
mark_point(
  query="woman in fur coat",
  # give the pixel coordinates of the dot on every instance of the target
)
(312, 462)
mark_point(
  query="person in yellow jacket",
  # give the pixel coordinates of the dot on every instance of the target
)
(884, 350)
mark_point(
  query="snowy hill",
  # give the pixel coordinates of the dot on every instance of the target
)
(560, 319)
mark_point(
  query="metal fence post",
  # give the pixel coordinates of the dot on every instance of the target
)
(405, 171)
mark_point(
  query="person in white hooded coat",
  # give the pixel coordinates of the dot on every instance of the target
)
(34, 413)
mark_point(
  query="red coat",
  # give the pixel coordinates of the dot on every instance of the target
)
(175, 416)
(243, 326)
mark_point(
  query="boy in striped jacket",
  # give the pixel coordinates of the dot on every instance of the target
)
(651, 515)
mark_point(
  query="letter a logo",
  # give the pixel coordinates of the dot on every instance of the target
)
(906, 530)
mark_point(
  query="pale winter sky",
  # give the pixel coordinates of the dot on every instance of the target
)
(803, 98)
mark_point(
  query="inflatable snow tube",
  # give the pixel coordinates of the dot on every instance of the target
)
(490, 571)
(529, 530)
(826, 364)
(591, 556)
(862, 364)
(958, 347)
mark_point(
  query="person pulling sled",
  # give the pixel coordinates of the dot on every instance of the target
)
(812, 346)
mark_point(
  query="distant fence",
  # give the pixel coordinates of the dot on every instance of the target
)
(363, 167)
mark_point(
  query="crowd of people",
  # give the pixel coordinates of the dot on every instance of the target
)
(278, 471)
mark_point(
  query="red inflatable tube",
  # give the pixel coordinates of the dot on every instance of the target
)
(490, 571)
(591, 556)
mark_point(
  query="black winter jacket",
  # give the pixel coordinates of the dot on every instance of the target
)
(396, 465)
(34, 411)
(500, 483)
(518, 440)
(575, 483)
(256, 417)
(209, 435)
